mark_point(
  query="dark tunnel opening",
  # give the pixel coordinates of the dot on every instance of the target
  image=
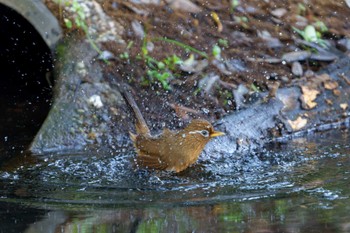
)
(25, 90)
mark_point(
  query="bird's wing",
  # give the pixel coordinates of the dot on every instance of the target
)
(150, 162)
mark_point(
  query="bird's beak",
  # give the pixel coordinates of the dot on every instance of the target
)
(216, 133)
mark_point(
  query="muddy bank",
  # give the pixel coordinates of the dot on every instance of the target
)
(253, 68)
(89, 113)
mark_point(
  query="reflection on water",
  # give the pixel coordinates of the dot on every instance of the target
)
(302, 186)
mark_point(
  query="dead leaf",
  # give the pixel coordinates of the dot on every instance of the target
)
(308, 97)
(344, 106)
(336, 92)
(216, 19)
(92, 136)
(323, 77)
(297, 124)
(330, 85)
(329, 102)
(181, 111)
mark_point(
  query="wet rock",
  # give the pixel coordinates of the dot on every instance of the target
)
(183, 5)
(239, 96)
(156, 2)
(81, 110)
(247, 129)
(106, 55)
(194, 66)
(208, 82)
(345, 43)
(270, 41)
(279, 12)
(297, 69)
(138, 29)
(296, 56)
(235, 65)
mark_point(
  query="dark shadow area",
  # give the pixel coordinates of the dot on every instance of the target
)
(15, 218)
(25, 90)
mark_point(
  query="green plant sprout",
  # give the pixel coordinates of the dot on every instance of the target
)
(125, 54)
(182, 45)
(216, 51)
(321, 26)
(172, 62)
(223, 43)
(234, 4)
(310, 34)
(162, 71)
(156, 70)
(301, 9)
(242, 20)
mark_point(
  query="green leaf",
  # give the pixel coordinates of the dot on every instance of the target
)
(68, 23)
(310, 34)
(216, 51)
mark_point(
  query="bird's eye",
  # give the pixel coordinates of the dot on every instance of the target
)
(205, 133)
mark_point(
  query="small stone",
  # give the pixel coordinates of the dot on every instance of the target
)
(95, 100)
(279, 12)
(284, 79)
(297, 69)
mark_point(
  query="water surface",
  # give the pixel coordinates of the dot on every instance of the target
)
(301, 186)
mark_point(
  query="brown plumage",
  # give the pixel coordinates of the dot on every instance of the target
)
(170, 150)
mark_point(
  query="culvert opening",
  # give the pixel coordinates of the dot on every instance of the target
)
(25, 89)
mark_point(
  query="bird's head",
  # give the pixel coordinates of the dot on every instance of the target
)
(200, 131)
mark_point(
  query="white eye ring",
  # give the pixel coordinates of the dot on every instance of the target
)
(205, 133)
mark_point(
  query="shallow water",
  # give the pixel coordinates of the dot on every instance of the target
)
(302, 186)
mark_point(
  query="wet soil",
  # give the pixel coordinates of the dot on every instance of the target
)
(247, 34)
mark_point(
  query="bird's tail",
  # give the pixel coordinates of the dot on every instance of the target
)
(140, 124)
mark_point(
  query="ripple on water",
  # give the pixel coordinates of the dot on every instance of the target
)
(281, 169)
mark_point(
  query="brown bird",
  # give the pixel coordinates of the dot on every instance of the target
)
(170, 150)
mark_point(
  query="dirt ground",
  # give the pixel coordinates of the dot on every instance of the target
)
(224, 50)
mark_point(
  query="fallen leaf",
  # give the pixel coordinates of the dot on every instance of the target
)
(323, 77)
(297, 124)
(181, 111)
(330, 85)
(344, 106)
(216, 19)
(308, 97)
(92, 136)
(329, 102)
(336, 92)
